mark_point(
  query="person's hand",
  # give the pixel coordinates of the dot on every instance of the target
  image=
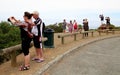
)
(30, 35)
(40, 39)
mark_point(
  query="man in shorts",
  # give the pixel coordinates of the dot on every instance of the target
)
(37, 39)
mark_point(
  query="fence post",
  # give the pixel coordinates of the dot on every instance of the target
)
(99, 33)
(13, 59)
(83, 35)
(113, 31)
(107, 32)
(62, 40)
(74, 37)
(92, 33)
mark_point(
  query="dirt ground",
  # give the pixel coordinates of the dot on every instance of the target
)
(49, 53)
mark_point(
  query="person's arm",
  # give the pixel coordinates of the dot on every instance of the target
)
(21, 24)
(38, 21)
(16, 22)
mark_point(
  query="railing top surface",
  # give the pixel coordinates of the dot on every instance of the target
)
(67, 34)
(16, 47)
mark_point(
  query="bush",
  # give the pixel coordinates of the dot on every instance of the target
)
(56, 28)
(117, 27)
(104, 26)
(9, 35)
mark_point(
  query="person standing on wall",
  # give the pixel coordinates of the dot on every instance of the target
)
(101, 18)
(37, 39)
(107, 22)
(85, 26)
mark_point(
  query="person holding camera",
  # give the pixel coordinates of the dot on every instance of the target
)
(26, 37)
(101, 18)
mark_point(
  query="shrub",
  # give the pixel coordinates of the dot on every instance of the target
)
(9, 35)
(56, 28)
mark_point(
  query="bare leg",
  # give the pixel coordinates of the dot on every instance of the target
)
(39, 53)
(27, 60)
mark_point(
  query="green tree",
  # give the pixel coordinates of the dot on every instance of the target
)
(9, 35)
(80, 26)
(56, 27)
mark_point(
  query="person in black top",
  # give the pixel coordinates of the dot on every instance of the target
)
(101, 18)
(85, 26)
(26, 37)
(107, 20)
(37, 39)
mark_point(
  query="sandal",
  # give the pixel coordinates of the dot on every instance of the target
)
(23, 67)
(34, 59)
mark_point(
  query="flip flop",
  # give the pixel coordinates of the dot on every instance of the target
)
(40, 60)
(34, 59)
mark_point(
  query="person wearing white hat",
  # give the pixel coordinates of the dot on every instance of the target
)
(37, 39)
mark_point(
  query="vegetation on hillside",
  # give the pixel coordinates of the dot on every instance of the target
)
(104, 26)
(9, 35)
(58, 27)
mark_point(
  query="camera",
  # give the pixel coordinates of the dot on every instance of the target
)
(12, 20)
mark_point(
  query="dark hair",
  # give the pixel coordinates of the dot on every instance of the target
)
(28, 15)
(83, 19)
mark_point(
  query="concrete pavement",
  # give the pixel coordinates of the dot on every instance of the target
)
(99, 58)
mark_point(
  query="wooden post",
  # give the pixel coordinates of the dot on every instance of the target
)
(74, 37)
(107, 32)
(62, 40)
(83, 35)
(92, 33)
(113, 31)
(99, 33)
(13, 59)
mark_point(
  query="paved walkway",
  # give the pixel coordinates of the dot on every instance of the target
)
(99, 58)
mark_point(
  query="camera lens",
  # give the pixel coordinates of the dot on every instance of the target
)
(9, 20)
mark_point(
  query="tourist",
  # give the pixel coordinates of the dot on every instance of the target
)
(85, 26)
(75, 26)
(37, 39)
(107, 20)
(26, 37)
(64, 24)
(70, 26)
(101, 18)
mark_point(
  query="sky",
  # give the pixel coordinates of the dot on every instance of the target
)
(54, 11)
